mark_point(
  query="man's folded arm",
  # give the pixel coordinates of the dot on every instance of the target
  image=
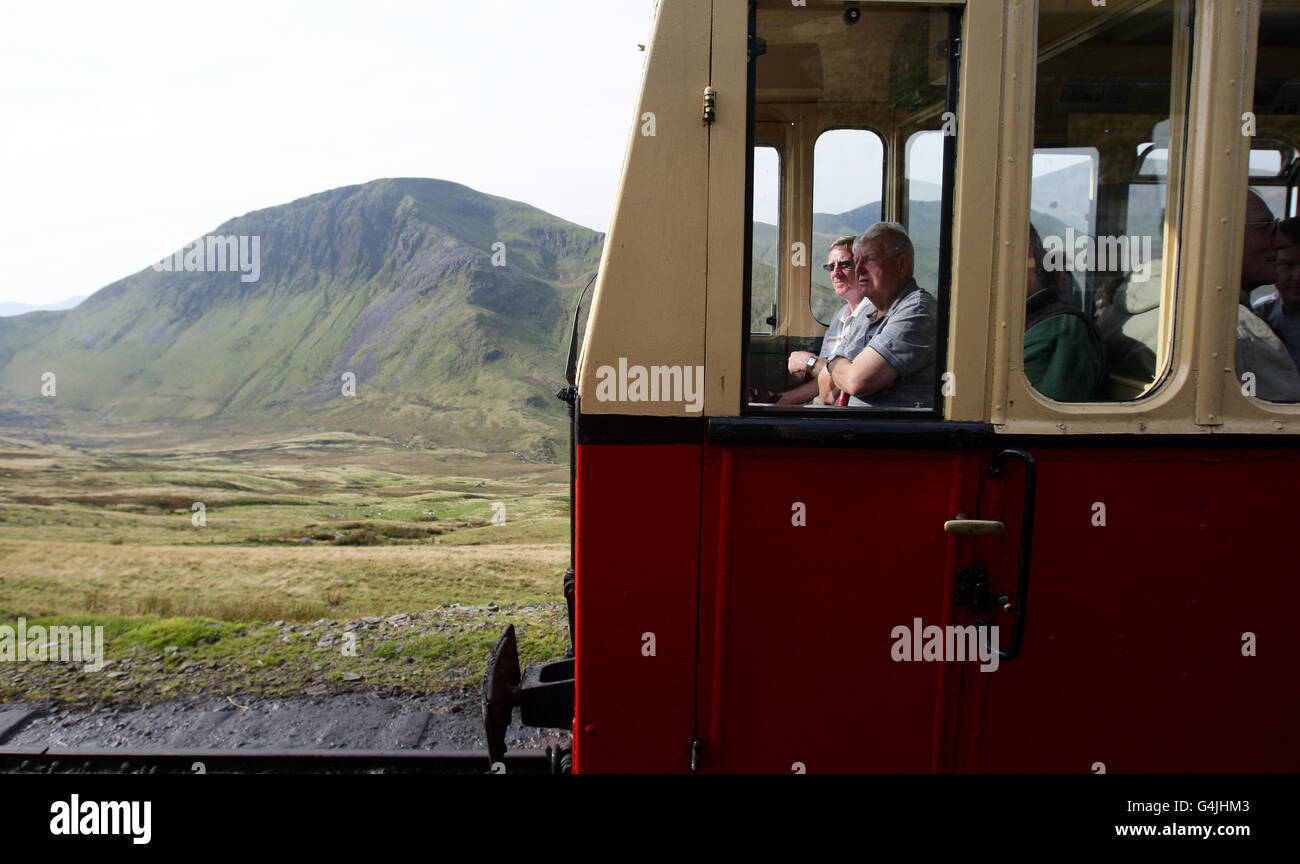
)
(868, 373)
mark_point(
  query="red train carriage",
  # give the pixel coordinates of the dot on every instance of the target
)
(768, 587)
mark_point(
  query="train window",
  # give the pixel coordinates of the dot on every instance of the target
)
(1268, 316)
(848, 191)
(869, 102)
(1272, 169)
(923, 179)
(1099, 290)
(1061, 206)
(765, 274)
(1153, 162)
(1266, 162)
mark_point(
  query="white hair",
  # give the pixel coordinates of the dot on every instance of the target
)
(892, 236)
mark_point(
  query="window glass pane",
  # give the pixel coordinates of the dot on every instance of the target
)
(1265, 163)
(845, 87)
(1153, 162)
(1268, 316)
(1099, 206)
(767, 239)
(923, 175)
(848, 174)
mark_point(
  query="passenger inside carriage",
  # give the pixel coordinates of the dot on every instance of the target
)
(1128, 318)
(854, 315)
(1260, 353)
(1281, 310)
(889, 363)
(1064, 359)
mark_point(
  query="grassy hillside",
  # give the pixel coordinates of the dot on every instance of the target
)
(392, 281)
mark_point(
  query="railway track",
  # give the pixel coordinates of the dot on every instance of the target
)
(56, 760)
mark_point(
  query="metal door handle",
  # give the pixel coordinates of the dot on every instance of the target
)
(973, 527)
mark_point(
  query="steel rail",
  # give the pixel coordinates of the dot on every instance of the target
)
(60, 760)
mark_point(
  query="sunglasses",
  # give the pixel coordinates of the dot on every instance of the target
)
(1269, 227)
(844, 266)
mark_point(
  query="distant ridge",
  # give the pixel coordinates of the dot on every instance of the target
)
(395, 284)
(7, 309)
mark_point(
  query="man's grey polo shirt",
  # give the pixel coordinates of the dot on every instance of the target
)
(905, 337)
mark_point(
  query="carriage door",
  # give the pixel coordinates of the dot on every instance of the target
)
(1159, 569)
(828, 552)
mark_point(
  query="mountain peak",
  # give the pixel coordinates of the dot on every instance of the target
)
(446, 306)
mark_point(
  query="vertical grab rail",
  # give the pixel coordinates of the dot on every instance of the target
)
(997, 469)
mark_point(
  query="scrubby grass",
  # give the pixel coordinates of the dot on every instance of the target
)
(294, 530)
(148, 660)
(266, 490)
(231, 583)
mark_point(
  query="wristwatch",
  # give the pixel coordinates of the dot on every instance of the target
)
(812, 364)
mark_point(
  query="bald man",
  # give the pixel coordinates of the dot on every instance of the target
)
(890, 364)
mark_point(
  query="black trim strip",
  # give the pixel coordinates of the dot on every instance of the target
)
(943, 290)
(747, 265)
(1103, 441)
(879, 434)
(841, 433)
(623, 429)
(866, 434)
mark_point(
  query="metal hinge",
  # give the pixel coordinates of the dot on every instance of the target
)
(710, 105)
(697, 747)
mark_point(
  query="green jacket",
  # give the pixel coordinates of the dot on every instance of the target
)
(1063, 351)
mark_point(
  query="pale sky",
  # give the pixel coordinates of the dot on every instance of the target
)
(128, 128)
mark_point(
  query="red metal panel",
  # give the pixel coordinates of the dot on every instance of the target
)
(638, 512)
(1133, 653)
(803, 674)
(1133, 650)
